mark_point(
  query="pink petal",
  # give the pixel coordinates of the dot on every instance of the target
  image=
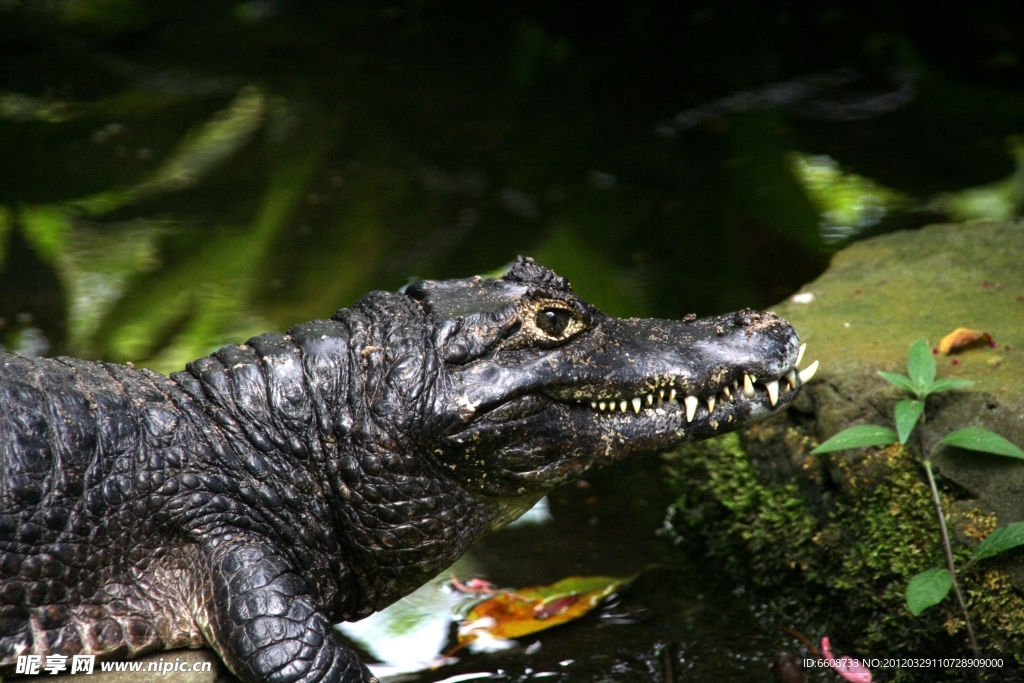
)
(852, 670)
(826, 648)
(847, 667)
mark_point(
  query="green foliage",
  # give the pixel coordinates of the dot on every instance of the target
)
(922, 382)
(978, 439)
(848, 203)
(907, 413)
(858, 437)
(1000, 540)
(948, 383)
(928, 588)
(902, 381)
(921, 367)
(931, 587)
(843, 568)
(5, 224)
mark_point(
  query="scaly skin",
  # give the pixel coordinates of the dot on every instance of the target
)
(299, 480)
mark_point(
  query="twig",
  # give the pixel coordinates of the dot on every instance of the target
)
(947, 546)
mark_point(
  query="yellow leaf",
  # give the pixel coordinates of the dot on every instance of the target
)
(535, 608)
(962, 338)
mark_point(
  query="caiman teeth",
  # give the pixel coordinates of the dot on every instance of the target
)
(691, 407)
(792, 380)
(807, 373)
(800, 353)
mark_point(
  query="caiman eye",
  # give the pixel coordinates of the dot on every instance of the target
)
(554, 321)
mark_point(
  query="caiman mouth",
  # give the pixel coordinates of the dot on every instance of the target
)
(732, 388)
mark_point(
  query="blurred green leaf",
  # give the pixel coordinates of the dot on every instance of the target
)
(46, 228)
(201, 150)
(1000, 540)
(591, 273)
(24, 108)
(921, 367)
(858, 437)
(5, 227)
(948, 383)
(202, 302)
(908, 412)
(998, 201)
(848, 203)
(927, 589)
(978, 439)
(902, 381)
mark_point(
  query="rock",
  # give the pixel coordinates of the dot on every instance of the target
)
(835, 538)
(881, 295)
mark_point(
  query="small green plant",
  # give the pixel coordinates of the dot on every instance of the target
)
(930, 587)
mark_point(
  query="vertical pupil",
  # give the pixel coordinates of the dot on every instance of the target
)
(553, 321)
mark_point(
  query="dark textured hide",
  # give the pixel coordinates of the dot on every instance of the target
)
(302, 479)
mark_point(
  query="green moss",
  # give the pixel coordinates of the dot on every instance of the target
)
(840, 565)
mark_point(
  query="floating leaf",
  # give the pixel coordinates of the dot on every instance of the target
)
(532, 609)
(902, 381)
(908, 412)
(948, 383)
(928, 588)
(858, 437)
(921, 366)
(1001, 540)
(978, 439)
(962, 338)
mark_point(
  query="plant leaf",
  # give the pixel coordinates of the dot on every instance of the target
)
(857, 437)
(947, 383)
(908, 412)
(902, 381)
(978, 439)
(1000, 540)
(921, 366)
(928, 588)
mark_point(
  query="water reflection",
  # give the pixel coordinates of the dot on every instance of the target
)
(411, 634)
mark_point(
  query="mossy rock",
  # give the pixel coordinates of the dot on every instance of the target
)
(833, 539)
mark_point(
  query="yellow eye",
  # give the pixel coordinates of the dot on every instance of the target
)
(554, 321)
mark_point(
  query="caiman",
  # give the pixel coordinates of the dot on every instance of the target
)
(298, 480)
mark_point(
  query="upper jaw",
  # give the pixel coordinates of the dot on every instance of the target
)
(728, 369)
(746, 360)
(733, 388)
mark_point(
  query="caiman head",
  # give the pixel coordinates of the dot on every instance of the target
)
(535, 386)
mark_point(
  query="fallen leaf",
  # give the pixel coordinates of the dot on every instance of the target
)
(527, 610)
(962, 338)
